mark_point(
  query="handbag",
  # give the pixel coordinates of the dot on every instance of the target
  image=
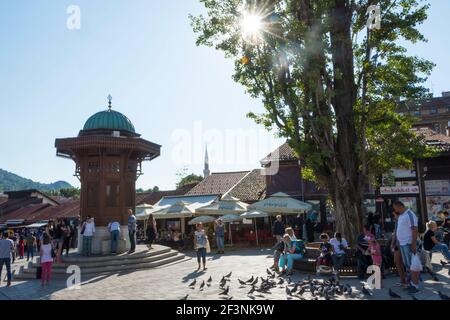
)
(208, 247)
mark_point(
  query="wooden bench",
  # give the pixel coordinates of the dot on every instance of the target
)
(350, 267)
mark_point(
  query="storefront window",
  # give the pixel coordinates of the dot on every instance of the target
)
(112, 195)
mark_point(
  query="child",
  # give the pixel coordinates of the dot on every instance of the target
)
(279, 249)
(375, 252)
(326, 249)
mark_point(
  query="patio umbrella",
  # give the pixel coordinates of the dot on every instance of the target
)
(143, 211)
(281, 203)
(227, 205)
(253, 215)
(202, 219)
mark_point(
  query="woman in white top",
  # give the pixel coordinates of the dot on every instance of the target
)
(200, 244)
(46, 260)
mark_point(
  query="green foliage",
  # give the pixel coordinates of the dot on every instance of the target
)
(12, 182)
(184, 178)
(294, 69)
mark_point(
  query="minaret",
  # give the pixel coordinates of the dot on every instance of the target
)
(206, 171)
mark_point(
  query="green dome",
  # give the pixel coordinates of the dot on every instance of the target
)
(111, 120)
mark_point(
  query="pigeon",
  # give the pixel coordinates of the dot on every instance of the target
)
(228, 275)
(202, 285)
(301, 291)
(229, 298)
(250, 280)
(223, 279)
(289, 280)
(443, 296)
(242, 283)
(268, 272)
(349, 290)
(449, 272)
(251, 290)
(392, 294)
(435, 278)
(255, 282)
(443, 263)
(365, 291)
(225, 292)
(209, 279)
(192, 285)
(288, 292)
(281, 281)
(414, 298)
(295, 288)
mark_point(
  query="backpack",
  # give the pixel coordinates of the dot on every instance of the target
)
(299, 247)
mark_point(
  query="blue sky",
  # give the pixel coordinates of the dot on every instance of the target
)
(143, 53)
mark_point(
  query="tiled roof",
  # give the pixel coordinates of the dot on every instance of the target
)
(154, 197)
(24, 212)
(435, 102)
(431, 138)
(282, 153)
(218, 183)
(15, 204)
(68, 209)
(251, 188)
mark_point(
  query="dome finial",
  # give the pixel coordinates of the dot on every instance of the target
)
(109, 101)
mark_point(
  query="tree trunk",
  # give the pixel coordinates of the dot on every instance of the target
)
(349, 212)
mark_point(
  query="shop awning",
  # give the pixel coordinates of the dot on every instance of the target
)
(281, 203)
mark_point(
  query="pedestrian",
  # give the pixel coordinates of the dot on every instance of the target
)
(395, 248)
(132, 230)
(151, 231)
(363, 258)
(47, 254)
(326, 250)
(200, 245)
(31, 244)
(289, 231)
(375, 251)
(220, 235)
(67, 236)
(13, 238)
(21, 247)
(114, 230)
(6, 251)
(278, 229)
(293, 250)
(279, 250)
(58, 239)
(88, 230)
(339, 254)
(406, 234)
(309, 228)
(431, 244)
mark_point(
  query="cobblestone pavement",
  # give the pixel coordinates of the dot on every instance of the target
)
(171, 282)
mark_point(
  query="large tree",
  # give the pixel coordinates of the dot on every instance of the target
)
(329, 83)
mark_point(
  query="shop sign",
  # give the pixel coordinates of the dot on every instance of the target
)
(437, 187)
(400, 190)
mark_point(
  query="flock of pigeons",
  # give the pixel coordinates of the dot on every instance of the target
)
(317, 288)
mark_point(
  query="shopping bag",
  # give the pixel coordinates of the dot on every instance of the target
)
(208, 247)
(416, 264)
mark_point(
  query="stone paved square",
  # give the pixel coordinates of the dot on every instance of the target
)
(171, 282)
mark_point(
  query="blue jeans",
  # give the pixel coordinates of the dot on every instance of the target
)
(114, 239)
(30, 252)
(201, 253)
(6, 261)
(87, 245)
(289, 258)
(406, 253)
(220, 242)
(338, 261)
(443, 248)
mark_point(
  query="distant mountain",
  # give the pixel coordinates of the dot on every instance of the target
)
(12, 182)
